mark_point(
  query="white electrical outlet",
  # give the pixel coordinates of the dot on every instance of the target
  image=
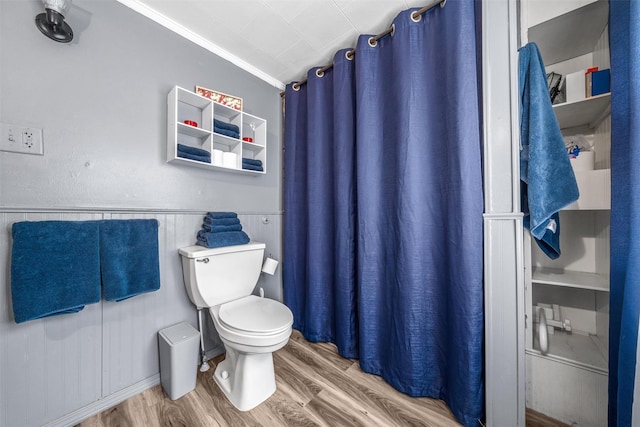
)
(20, 139)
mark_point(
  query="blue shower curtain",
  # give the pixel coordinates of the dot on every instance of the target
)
(383, 207)
(624, 32)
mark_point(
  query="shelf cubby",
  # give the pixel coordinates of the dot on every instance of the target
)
(184, 105)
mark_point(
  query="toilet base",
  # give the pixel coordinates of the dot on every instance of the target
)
(247, 379)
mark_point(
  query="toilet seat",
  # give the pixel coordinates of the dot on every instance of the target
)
(255, 315)
(254, 323)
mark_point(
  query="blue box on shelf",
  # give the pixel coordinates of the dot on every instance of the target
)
(600, 82)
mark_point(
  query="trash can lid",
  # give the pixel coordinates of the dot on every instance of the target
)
(178, 333)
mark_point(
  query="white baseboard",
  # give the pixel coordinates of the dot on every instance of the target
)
(105, 403)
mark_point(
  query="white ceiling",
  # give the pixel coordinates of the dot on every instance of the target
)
(278, 40)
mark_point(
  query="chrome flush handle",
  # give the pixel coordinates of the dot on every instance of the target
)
(205, 260)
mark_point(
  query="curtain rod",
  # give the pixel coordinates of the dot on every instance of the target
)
(373, 41)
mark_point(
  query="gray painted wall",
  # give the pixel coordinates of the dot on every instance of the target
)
(101, 102)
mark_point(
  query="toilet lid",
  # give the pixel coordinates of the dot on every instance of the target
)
(256, 315)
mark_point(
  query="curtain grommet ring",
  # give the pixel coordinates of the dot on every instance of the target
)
(295, 87)
(373, 42)
(442, 3)
(393, 29)
(319, 73)
(415, 17)
(350, 54)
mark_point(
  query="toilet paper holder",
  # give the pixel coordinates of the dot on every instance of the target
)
(269, 266)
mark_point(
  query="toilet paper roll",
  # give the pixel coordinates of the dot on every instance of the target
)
(229, 160)
(269, 266)
(216, 158)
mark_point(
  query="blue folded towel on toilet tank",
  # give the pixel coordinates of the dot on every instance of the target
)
(217, 215)
(217, 240)
(221, 228)
(55, 268)
(548, 183)
(129, 261)
(221, 221)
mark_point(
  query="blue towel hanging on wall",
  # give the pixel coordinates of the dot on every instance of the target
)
(129, 258)
(55, 268)
(548, 183)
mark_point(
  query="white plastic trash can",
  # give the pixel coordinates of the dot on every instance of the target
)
(178, 346)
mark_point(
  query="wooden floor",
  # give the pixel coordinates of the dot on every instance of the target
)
(536, 419)
(315, 387)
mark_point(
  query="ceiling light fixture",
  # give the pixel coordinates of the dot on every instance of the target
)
(51, 23)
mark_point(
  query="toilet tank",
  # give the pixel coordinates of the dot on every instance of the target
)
(213, 276)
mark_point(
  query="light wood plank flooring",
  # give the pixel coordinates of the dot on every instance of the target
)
(315, 387)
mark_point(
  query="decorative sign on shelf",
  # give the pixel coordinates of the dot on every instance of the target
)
(221, 98)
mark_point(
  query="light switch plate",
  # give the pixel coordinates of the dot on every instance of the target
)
(21, 139)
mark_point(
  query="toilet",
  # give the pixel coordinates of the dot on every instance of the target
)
(250, 327)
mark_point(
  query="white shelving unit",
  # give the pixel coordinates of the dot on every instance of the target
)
(185, 105)
(595, 190)
(569, 381)
(570, 34)
(571, 279)
(587, 112)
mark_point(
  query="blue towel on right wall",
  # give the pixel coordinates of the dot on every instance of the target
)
(129, 263)
(548, 183)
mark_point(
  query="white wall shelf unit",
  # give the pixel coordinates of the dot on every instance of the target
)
(576, 285)
(183, 105)
(255, 128)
